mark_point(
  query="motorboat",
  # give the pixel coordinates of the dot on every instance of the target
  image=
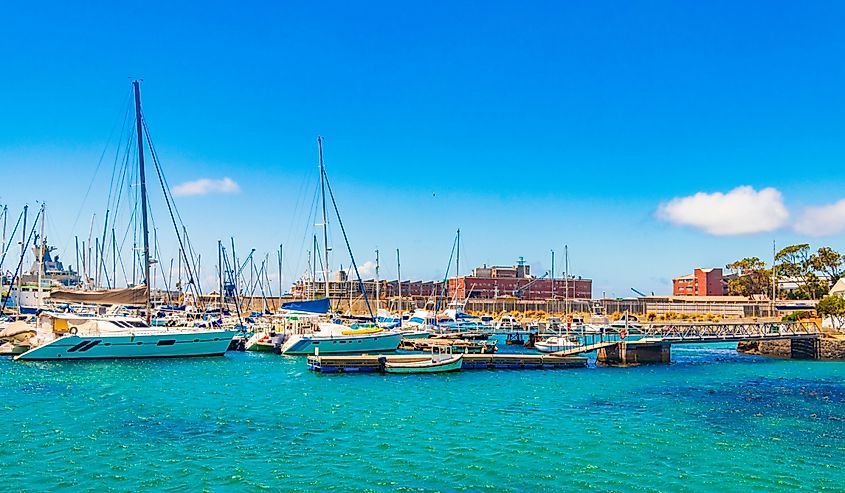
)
(65, 338)
(554, 344)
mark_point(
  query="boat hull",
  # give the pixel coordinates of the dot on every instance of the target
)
(127, 346)
(447, 365)
(339, 344)
(552, 348)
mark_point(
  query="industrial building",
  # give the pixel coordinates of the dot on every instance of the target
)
(702, 282)
(516, 282)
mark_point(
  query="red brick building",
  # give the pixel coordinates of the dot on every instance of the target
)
(702, 282)
(516, 282)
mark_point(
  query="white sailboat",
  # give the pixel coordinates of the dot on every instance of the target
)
(64, 337)
(333, 337)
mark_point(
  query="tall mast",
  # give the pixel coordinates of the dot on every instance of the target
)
(220, 271)
(3, 246)
(281, 252)
(774, 278)
(41, 259)
(139, 126)
(458, 266)
(23, 252)
(325, 217)
(378, 284)
(553, 281)
(566, 270)
(399, 276)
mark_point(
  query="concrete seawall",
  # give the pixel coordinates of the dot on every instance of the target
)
(825, 348)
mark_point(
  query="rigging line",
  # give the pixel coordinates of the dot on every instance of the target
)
(18, 269)
(300, 200)
(348, 247)
(9, 245)
(228, 271)
(188, 265)
(306, 233)
(169, 198)
(446, 280)
(94, 177)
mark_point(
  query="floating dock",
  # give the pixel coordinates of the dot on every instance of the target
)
(459, 346)
(368, 363)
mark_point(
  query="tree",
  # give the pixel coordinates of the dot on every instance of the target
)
(794, 263)
(829, 262)
(752, 277)
(832, 306)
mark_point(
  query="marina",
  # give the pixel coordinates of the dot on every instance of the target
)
(428, 247)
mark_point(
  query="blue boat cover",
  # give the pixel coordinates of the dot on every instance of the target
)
(320, 305)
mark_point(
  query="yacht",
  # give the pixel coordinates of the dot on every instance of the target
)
(65, 338)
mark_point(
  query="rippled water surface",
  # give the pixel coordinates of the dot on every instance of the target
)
(711, 421)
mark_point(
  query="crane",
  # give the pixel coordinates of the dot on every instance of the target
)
(640, 292)
(517, 293)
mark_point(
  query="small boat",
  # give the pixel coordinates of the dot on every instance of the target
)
(554, 344)
(439, 363)
(416, 334)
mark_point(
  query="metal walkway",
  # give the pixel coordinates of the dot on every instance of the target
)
(692, 333)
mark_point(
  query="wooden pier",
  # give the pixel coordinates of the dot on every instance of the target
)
(375, 363)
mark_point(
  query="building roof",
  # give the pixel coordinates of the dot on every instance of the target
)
(839, 287)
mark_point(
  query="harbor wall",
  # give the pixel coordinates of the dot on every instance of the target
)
(829, 347)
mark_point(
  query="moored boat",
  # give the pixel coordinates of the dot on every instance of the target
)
(121, 338)
(554, 344)
(438, 363)
(332, 338)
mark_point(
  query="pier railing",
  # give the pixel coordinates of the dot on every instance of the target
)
(726, 332)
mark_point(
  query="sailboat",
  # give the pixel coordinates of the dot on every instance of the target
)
(333, 336)
(63, 337)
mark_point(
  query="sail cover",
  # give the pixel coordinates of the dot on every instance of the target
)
(124, 296)
(320, 305)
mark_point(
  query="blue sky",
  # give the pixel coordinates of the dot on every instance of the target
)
(529, 125)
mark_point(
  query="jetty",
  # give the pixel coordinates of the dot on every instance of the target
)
(652, 343)
(370, 363)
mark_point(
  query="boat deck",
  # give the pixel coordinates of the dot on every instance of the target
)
(373, 363)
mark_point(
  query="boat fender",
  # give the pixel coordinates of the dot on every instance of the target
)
(73, 331)
(381, 362)
(623, 333)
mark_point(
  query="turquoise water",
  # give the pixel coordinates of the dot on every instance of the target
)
(712, 420)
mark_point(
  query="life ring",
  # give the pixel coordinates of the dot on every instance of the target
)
(73, 331)
(623, 333)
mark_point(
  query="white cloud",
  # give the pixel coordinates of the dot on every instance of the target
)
(205, 186)
(822, 220)
(367, 269)
(741, 211)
